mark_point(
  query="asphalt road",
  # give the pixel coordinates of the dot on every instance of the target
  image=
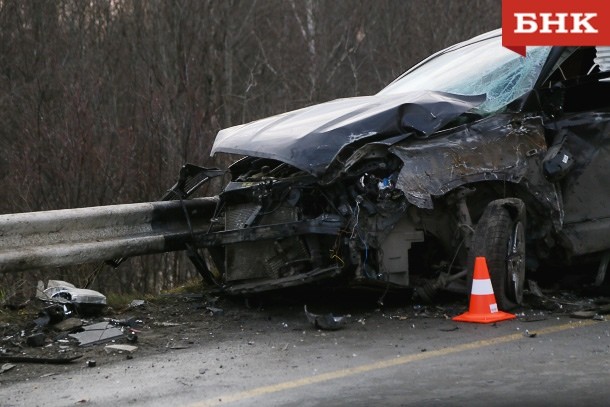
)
(377, 359)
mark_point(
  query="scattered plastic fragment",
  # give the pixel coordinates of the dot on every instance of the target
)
(215, 311)
(86, 301)
(583, 314)
(178, 345)
(136, 303)
(132, 336)
(130, 322)
(533, 318)
(47, 375)
(52, 315)
(120, 348)
(327, 322)
(166, 324)
(36, 340)
(91, 363)
(97, 333)
(28, 359)
(6, 367)
(529, 334)
(68, 324)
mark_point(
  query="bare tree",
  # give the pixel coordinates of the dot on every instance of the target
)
(102, 101)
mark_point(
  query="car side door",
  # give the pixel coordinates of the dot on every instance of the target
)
(579, 138)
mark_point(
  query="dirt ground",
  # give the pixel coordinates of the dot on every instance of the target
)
(178, 321)
(158, 325)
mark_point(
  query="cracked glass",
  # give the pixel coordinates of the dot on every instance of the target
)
(483, 67)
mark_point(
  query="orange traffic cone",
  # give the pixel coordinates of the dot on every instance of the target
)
(483, 308)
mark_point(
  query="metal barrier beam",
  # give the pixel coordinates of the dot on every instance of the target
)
(76, 236)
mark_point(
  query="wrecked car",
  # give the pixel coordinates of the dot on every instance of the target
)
(476, 151)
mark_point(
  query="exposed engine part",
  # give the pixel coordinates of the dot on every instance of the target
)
(429, 290)
(464, 223)
(266, 258)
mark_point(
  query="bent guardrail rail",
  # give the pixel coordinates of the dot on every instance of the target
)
(83, 235)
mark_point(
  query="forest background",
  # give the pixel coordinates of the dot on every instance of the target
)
(102, 101)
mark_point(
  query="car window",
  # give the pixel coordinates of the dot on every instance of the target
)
(483, 67)
(579, 74)
(574, 62)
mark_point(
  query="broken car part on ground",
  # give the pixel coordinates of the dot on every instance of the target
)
(475, 151)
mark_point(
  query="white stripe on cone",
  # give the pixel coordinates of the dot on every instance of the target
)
(482, 287)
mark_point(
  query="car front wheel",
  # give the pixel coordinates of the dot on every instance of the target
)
(499, 236)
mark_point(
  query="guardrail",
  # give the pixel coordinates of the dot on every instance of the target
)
(83, 235)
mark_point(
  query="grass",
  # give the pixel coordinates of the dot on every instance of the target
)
(121, 301)
(194, 286)
(115, 301)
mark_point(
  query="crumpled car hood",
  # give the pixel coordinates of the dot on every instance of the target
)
(311, 137)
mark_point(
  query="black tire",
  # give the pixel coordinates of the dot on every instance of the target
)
(500, 237)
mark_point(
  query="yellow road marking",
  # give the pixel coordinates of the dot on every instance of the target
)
(383, 364)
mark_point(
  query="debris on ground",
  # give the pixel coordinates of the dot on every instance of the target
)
(596, 313)
(215, 311)
(52, 314)
(170, 323)
(69, 324)
(567, 303)
(44, 360)
(583, 314)
(136, 303)
(85, 301)
(36, 340)
(327, 322)
(97, 333)
(167, 324)
(130, 322)
(532, 317)
(49, 332)
(179, 345)
(6, 367)
(529, 334)
(120, 348)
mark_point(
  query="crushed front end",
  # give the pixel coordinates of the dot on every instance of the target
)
(277, 226)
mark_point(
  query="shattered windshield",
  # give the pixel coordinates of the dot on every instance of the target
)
(484, 67)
